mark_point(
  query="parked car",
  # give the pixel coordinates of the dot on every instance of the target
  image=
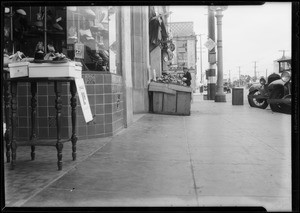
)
(276, 91)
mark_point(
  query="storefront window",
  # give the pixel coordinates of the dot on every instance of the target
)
(26, 26)
(92, 37)
(89, 34)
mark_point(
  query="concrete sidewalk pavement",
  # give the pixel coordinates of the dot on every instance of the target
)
(221, 155)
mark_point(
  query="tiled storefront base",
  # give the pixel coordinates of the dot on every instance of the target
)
(105, 94)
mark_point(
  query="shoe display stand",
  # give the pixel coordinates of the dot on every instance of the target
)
(10, 105)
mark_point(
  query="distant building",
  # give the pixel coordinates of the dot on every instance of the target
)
(184, 39)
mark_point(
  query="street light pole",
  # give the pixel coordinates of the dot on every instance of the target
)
(220, 95)
(201, 58)
(211, 71)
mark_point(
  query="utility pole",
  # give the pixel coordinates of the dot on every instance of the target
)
(239, 76)
(211, 71)
(229, 77)
(283, 52)
(266, 74)
(255, 70)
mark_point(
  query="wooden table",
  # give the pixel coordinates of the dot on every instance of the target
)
(10, 96)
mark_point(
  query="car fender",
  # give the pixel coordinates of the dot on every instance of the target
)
(255, 87)
(276, 82)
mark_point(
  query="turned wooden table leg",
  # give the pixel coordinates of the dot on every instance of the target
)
(33, 117)
(7, 99)
(13, 123)
(73, 107)
(58, 106)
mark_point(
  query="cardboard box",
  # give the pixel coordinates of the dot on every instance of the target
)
(48, 70)
(18, 69)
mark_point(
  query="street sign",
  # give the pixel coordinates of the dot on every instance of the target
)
(210, 44)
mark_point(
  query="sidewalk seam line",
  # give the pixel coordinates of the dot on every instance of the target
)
(191, 161)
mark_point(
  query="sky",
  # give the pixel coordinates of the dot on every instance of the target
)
(250, 34)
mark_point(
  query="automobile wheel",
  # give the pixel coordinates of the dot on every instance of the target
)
(280, 107)
(258, 103)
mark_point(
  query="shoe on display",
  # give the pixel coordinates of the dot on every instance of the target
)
(7, 10)
(50, 48)
(57, 26)
(21, 11)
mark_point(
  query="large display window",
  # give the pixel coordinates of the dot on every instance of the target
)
(89, 34)
(92, 37)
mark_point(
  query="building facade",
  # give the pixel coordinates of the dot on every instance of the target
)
(112, 44)
(185, 54)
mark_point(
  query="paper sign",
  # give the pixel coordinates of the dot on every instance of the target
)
(84, 101)
(209, 44)
(79, 50)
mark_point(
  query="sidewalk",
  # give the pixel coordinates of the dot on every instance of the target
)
(221, 155)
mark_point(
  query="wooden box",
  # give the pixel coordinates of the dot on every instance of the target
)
(158, 102)
(183, 103)
(18, 69)
(171, 99)
(68, 69)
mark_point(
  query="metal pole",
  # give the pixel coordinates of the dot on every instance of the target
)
(12, 30)
(239, 76)
(220, 95)
(211, 72)
(45, 30)
(255, 70)
(201, 58)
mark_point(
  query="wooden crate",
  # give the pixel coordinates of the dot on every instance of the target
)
(169, 103)
(158, 102)
(183, 103)
(170, 99)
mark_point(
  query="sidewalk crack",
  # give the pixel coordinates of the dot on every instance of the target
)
(191, 162)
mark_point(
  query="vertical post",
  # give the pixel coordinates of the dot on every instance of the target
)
(255, 77)
(220, 95)
(13, 123)
(211, 72)
(201, 80)
(58, 106)
(239, 76)
(73, 109)
(12, 30)
(45, 30)
(7, 104)
(33, 117)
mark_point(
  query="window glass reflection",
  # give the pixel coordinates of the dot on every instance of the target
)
(92, 37)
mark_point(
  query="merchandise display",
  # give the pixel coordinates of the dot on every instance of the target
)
(170, 79)
(86, 34)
